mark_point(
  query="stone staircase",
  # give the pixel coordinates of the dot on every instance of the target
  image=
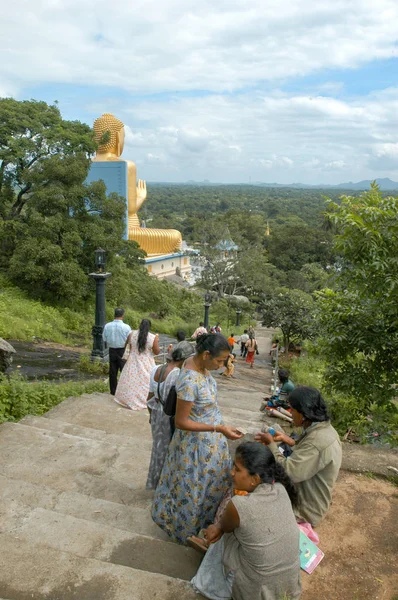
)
(75, 521)
(75, 518)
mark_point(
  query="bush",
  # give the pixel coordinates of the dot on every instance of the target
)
(19, 397)
(24, 319)
(346, 412)
(94, 367)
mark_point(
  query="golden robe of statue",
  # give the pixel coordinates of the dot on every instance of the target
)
(153, 241)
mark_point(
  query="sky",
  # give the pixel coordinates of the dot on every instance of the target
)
(237, 91)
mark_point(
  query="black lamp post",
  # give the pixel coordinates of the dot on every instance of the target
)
(238, 314)
(207, 308)
(99, 352)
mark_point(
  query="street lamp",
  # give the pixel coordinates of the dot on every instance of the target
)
(99, 352)
(207, 307)
(238, 314)
(100, 259)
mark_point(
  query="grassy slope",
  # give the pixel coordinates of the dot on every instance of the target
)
(24, 319)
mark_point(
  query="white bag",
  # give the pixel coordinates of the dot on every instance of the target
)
(211, 580)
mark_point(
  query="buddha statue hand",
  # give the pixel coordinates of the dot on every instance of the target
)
(141, 193)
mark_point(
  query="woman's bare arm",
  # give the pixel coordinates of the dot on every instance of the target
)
(230, 519)
(156, 347)
(183, 421)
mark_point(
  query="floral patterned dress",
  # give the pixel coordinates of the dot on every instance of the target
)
(160, 426)
(133, 387)
(196, 473)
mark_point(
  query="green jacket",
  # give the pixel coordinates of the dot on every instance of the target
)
(287, 387)
(313, 466)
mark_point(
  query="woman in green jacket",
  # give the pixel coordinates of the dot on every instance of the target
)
(316, 458)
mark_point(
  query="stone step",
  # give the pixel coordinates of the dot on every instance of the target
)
(119, 516)
(35, 571)
(70, 463)
(96, 540)
(87, 432)
(100, 411)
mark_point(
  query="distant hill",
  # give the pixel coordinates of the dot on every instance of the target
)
(385, 184)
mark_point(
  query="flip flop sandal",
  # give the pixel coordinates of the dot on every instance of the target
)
(197, 544)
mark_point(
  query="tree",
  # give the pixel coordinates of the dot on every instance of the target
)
(310, 278)
(290, 310)
(293, 243)
(30, 134)
(360, 316)
(51, 221)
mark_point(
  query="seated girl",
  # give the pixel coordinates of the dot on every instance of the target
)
(316, 458)
(229, 366)
(254, 553)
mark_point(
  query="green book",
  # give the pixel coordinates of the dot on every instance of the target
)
(310, 555)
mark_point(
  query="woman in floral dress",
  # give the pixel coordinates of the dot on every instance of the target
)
(196, 473)
(132, 389)
(162, 380)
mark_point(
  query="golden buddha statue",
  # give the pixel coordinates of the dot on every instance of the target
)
(109, 133)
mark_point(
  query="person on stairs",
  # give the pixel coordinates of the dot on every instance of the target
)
(115, 335)
(162, 379)
(196, 472)
(254, 553)
(316, 458)
(132, 389)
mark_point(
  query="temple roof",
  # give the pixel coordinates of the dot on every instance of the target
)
(227, 244)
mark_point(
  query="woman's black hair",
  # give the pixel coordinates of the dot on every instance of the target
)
(143, 331)
(215, 344)
(177, 355)
(283, 375)
(181, 335)
(309, 403)
(259, 460)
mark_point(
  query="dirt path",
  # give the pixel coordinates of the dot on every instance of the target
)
(359, 534)
(359, 539)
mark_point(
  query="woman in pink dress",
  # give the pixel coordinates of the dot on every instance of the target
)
(132, 389)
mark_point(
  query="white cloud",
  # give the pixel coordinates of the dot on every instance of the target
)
(185, 78)
(384, 157)
(157, 45)
(335, 164)
(280, 137)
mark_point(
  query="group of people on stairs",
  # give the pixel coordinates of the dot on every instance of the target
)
(252, 551)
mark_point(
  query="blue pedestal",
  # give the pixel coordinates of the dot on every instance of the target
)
(114, 175)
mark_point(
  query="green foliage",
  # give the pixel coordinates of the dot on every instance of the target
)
(347, 412)
(51, 221)
(19, 397)
(94, 367)
(290, 310)
(359, 316)
(205, 214)
(24, 319)
(307, 370)
(293, 243)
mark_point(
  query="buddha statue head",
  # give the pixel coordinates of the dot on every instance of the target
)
(110, 125)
